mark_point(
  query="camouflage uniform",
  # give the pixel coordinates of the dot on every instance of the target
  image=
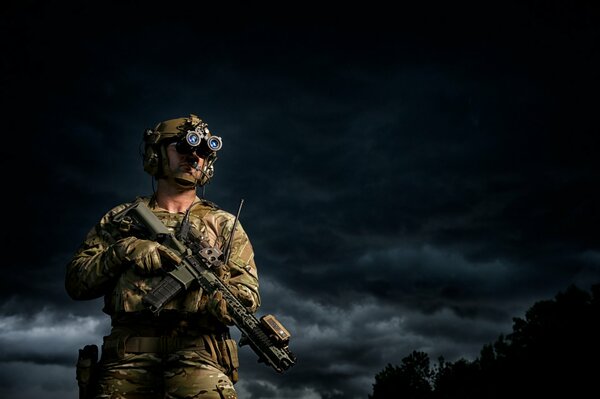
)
(183, 352)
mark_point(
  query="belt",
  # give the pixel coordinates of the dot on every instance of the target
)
(148, 325)
(162, 344)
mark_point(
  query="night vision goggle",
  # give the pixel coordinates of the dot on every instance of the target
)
(198, 141)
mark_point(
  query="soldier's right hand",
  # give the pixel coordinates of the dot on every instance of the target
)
(147, 256)
(218, 307)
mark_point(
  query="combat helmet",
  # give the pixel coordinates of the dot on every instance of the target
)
(190, 134)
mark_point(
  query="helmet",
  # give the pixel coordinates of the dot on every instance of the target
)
(191, 135)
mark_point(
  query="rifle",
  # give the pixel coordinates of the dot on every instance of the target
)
(267, 336)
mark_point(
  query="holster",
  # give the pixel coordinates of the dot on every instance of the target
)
(86, 372)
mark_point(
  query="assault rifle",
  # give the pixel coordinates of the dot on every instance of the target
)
(267, 336)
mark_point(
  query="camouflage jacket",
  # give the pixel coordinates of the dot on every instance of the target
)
(88, 275)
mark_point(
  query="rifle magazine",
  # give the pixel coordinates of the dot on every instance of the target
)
(166, 290)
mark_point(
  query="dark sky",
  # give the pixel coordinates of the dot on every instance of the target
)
(413, 178)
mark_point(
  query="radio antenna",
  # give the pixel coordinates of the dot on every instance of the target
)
(227, 250)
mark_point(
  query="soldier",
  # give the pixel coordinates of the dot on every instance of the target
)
(185, 351)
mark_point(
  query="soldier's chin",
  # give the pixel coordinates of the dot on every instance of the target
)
(185, 180)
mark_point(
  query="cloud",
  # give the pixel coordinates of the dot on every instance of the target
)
(38, 352)
(47, 337)
(341, 347)
(30, 381)
(258, 389)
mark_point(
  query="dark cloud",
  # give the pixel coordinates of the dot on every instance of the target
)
(412, 179)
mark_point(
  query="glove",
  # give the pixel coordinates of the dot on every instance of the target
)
(217, 307)
(146, 255)
(243, 294)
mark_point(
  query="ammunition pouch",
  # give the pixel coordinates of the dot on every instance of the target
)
(86, 371)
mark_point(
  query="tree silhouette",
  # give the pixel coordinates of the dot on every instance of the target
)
(454, 380)
(553, 350)
(411, 380)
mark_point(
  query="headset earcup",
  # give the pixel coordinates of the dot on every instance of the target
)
(151, 160)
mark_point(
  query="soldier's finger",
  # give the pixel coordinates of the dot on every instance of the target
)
(169, 254)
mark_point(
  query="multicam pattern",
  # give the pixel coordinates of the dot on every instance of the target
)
(96, 270)
(181, 375)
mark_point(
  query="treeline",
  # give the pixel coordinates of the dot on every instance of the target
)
(554, 350)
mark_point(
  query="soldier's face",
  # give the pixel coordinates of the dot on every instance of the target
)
(184, 163)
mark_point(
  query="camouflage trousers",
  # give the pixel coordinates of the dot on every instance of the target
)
(181, 374)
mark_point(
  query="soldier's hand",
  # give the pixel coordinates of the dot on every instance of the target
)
(243, 294)
(218, 307)
(147, 256)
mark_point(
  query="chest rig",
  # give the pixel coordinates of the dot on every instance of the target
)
(188, 226)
